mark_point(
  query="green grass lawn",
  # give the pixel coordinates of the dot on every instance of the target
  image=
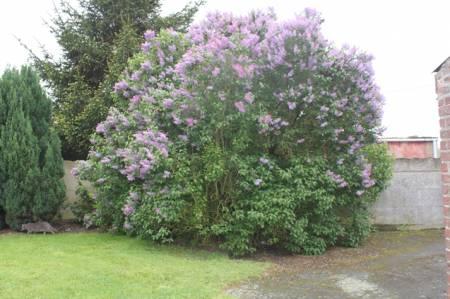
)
(93, 265)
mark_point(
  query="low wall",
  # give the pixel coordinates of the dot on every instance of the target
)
(413, 197)
(71, 186)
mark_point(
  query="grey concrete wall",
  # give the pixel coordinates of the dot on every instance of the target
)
(414, 197)
(71, 186)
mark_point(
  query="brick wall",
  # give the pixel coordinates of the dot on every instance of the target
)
(409, 149)
(443, 97)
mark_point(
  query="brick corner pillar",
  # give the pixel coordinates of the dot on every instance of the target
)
(442, 76)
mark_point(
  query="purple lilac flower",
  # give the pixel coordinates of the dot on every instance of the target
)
(343, 184)
(135, 99)
(175, 119)
(128, 209)
(240, 106)
(359, 192)
(146, 65)
(216, 71)
(367, 172)
(337, 179)
(239, 69)
(145, 47)
(249, 98)
(136, 76)
(190, 122)
(172, 48)
(167, 103)
(145, 166)
(161, 57)
(105, 160)
(100, 128)
(265, 119)
(121, 85)
(291, 105)
(149, 34)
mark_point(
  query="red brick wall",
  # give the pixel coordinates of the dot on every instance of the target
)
(443, 97)
(411, 149)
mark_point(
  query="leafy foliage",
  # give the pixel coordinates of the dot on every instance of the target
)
(96, 40)
(83, 206)
(30, 155)
(245, 130)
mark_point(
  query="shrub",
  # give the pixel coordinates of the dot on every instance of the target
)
(30, 155)
(82, 208)
(246, 130)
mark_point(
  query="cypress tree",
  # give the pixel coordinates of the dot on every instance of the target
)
(19, 159)
(31, 166)
(52, 190)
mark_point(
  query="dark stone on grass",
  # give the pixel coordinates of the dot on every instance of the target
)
(38, 227)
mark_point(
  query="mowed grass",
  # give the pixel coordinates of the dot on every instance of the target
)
(94, 265)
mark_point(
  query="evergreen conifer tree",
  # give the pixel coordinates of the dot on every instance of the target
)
(19, 160)
(52, 190)
(31, 169)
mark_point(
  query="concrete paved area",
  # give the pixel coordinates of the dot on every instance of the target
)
(393, 265)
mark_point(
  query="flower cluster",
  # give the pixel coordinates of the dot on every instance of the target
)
(339, 180)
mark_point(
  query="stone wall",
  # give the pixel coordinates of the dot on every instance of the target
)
(413, 197)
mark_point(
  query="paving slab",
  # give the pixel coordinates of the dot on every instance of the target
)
(390, 265)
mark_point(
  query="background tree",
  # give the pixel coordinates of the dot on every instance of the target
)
(96, 39)
(31, 169)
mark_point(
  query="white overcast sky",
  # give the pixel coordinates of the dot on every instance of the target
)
(408, 39)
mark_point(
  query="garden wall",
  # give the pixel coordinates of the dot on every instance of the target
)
(413, 197)
(71, 187)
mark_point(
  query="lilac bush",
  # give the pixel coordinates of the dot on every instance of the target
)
(247, 130)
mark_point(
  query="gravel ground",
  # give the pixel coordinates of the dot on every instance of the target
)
(403, 264)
